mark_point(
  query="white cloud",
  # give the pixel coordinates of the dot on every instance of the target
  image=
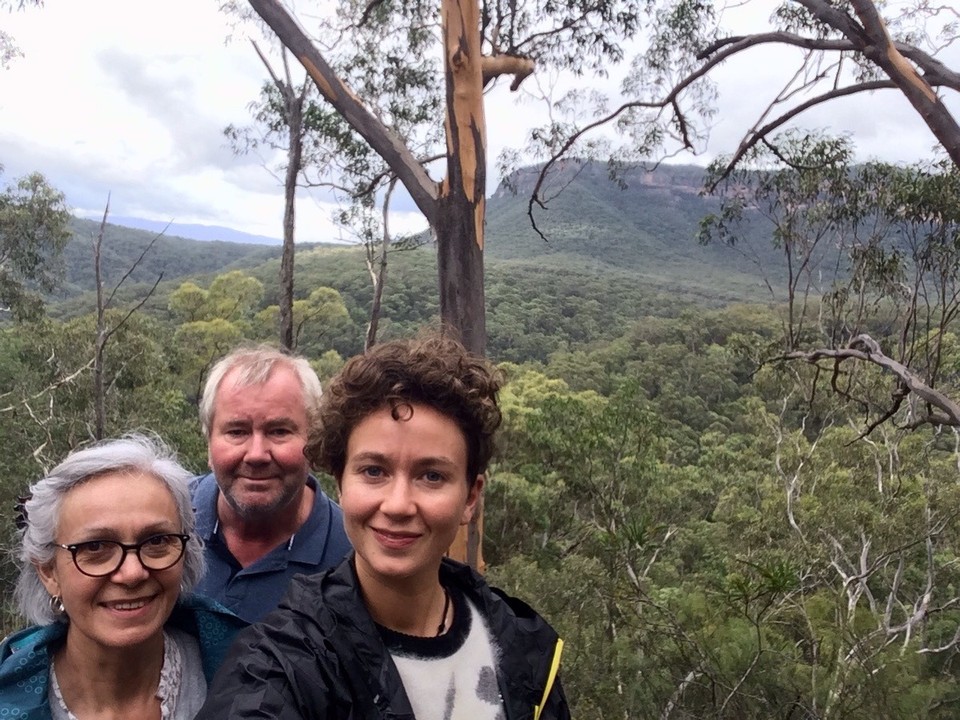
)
(131, 98)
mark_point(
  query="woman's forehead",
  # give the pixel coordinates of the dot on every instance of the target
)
(124, 500)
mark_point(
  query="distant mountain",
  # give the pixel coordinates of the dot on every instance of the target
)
(642, 233)
(196, 232)
(647, 226)
(612, 255)
(170, 255)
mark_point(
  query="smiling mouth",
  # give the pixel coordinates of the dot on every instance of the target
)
(129, 604)
(395, 540)
(397, 535)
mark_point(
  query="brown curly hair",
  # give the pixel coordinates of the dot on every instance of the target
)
(432, 370)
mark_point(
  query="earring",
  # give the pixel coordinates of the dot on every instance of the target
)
(56, 604)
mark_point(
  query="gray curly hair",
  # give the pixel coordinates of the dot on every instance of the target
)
(136, 453)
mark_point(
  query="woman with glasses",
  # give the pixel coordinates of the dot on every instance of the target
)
(107, 556)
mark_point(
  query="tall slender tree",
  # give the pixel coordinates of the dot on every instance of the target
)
(281, 123)
(33, 233)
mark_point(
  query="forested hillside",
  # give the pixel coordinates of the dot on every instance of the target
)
(715, 532)
(175, 257)
(647, 230)
(647, 221)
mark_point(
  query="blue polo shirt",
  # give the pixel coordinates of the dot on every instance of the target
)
(253, 591)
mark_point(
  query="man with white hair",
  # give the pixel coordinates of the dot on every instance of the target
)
(261, 514)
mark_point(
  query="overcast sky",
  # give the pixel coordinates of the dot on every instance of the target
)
(131, 97)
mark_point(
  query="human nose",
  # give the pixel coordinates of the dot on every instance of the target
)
(399, 498)
(131, 569)
(258, 449)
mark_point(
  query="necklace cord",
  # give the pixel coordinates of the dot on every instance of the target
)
(446, 608)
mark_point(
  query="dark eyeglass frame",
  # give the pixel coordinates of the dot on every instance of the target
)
(125, 548)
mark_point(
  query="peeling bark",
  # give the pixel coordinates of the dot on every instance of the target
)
(459, 227)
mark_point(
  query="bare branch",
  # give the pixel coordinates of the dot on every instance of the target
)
(869, 38)
(382, 139)
(137, 262)
(935, 72)
(132, 310)
(496, 65)
(281, 86)
(760, 134)
(59, 382)
(866, 349)
(670, 100)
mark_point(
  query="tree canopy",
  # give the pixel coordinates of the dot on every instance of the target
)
(393, 79)
(713, 536)
(8, 44)
(33, 233)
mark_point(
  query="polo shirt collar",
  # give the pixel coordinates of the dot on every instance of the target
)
(300, 547)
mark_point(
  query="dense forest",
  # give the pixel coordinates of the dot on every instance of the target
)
(717, 523)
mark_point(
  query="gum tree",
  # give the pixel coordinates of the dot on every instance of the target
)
(842, 49)
(33, 233)
(282, 122)
(398, 72)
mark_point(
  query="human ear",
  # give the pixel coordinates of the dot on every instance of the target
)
(473, 499)
(48, 576)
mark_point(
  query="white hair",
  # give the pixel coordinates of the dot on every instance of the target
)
(254, 366)
(136, 453)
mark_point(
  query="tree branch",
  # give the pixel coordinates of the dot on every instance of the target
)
(59, 382)
(870, 39)
(281, 86)
(132, 310)
(755, 136)
(874, 42)
(496, 65)
(866, 349)
(136, 263)
(382, 139)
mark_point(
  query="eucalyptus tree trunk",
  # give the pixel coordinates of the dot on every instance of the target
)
(462, 203)
(455, 207)
(294, 160)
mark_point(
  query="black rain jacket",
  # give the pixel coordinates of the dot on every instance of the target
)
(320, 655)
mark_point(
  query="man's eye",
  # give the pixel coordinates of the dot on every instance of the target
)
(372, 471)
(433, 476)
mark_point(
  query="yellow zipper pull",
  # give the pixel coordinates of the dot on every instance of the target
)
(551, 678)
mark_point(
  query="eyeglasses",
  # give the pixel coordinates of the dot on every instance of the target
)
(99, 558)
